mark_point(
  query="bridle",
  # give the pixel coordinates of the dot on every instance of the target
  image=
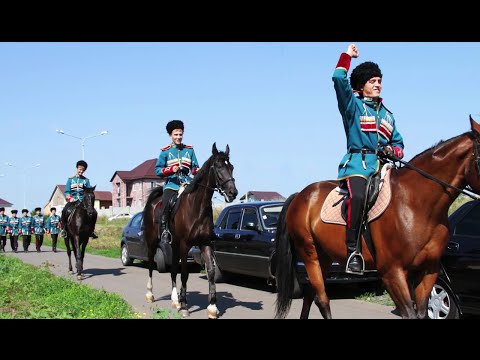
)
(86, 206)
(219, 186)
(476, 155)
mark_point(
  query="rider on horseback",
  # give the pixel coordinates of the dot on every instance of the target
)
(370, 129)
(74, 190)
(175, 162)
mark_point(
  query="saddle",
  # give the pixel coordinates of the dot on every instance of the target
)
(379, 196)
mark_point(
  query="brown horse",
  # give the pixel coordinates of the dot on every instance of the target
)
(409, 237)
(191, 225)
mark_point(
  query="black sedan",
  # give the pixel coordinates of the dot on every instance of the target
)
(133, 246)
(457, 290)
(244, 243)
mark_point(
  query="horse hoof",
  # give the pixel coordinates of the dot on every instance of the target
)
(80, 277)
(212, 312)
(184, 313)
(150, 298)
(176, 305)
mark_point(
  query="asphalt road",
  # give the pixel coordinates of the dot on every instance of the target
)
(240, 298)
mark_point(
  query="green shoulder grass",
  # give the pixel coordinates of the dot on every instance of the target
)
(28, 292)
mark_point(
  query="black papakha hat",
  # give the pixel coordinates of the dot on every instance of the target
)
(82, 163)
(2, 209)
(14, 211)
(38, 209)
(362, 73)
(174, 124)
(25, 210)
(52, 208)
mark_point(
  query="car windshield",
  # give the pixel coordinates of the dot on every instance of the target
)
(270, 215)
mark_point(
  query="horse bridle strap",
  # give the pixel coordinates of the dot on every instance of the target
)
(219, 187)
(433, 178)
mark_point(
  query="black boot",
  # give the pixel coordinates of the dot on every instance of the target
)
(355, 262)
(63, 233)
(164, 233)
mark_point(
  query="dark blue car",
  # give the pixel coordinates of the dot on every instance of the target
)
(457, 290)
(244, 243)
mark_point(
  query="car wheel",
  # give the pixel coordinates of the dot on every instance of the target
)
(125, 256)
(441, 303)
(160, 261)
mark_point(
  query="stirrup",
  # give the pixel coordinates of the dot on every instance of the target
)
(166, 235)
(355, 253)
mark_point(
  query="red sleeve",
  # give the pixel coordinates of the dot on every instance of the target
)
(344, 61)
(168, 170)
(194, 170)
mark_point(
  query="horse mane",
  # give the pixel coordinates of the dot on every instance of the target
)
(204, 170)
(441, 143)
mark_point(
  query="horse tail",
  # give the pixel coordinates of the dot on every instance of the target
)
(285, 271)
(148, 211)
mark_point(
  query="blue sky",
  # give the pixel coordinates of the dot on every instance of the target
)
(273, 103)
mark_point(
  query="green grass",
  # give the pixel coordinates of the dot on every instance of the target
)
(160, 313)
(28, 292)
(108, 242)
(382, 299)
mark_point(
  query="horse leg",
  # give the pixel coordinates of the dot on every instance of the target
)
(422, 293)
(81, 252)
(76, 252)
(316, 270)
(173, 275)
(395, 282)
(212, 311)
(69, 253)
(308, 296)
(151, 266)
(183, 290)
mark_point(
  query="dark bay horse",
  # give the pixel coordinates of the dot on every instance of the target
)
(409, 237)
(79, 228)
(192, 225)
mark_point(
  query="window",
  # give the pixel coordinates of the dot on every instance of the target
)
(137, 221)
(249, 216)
(470, 224)
(233, 220)
(270, 215)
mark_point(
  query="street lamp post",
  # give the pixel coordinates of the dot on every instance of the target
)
(82, 139)
(24, 180)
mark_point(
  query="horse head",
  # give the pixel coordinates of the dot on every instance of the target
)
(472, 170)
(89, 200)
(223, 173)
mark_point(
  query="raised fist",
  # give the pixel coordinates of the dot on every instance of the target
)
(353, 51)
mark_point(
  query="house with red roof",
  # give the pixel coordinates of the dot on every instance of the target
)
(131, 188)
(103, 199)
(261, 196)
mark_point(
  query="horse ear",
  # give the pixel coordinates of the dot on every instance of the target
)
(214, 149)
(227, 150)
(93, 188)
(475, 126)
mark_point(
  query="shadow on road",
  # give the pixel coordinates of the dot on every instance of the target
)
(199, 301)
(98, 272)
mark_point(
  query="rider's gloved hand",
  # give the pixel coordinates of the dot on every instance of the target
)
(387, 151)
(184, 170)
